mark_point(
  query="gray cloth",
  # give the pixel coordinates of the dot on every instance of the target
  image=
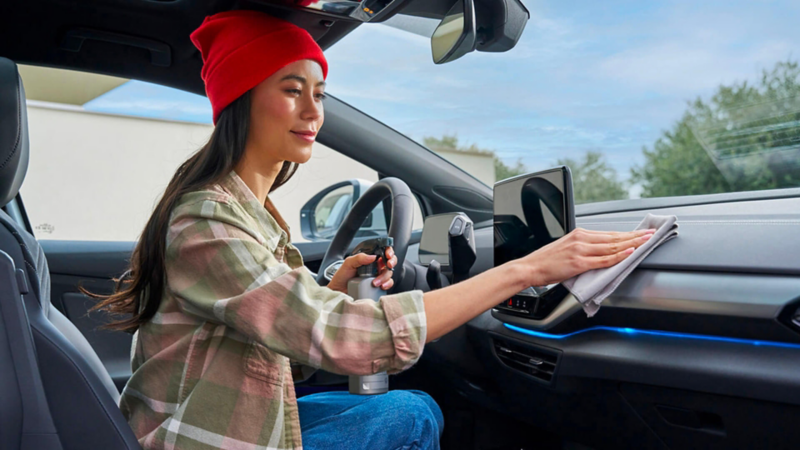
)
(592, 287)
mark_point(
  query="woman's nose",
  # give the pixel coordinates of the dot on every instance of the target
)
(312, 109)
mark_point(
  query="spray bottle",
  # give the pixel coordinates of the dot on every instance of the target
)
(360, 287)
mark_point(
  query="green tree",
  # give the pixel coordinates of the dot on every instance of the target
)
(501, 170)
(447, 142)
(593, 180)
(746, 137)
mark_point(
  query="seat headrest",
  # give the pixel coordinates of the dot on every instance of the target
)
(13, 131)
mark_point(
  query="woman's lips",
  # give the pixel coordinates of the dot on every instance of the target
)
(308, 136)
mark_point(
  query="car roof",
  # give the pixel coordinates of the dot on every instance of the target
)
(148, 39)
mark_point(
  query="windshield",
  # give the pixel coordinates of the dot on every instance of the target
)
(639, 99)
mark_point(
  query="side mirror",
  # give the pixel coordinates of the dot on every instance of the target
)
(323, 214)
(455, 36)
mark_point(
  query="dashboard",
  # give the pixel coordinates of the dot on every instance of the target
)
(708, 323)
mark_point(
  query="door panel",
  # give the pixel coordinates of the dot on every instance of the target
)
(112, 347)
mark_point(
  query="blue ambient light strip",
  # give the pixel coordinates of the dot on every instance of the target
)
(671, 334)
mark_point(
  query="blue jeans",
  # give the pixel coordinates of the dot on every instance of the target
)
(407, 420)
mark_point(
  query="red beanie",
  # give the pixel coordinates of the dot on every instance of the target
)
(243, 48)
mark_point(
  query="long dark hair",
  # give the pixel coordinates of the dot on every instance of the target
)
(138, 291)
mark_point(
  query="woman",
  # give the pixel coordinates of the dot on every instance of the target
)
(220, 299)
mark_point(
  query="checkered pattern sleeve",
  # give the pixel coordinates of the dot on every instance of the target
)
(220, 270)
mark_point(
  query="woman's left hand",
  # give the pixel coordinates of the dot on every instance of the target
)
(351, 264)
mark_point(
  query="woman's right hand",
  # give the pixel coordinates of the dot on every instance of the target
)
(573, 254)
(580, 251)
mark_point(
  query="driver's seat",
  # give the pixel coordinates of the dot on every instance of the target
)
(79, 393)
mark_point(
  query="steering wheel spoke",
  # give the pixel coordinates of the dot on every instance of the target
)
(332, 269)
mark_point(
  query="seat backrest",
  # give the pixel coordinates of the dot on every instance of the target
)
(80, 393)
(25, 420)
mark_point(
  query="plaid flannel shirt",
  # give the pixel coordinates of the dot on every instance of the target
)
(211, 369)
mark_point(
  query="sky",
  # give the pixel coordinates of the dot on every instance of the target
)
(606, 76)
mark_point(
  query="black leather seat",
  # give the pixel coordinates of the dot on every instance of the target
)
(81, 400)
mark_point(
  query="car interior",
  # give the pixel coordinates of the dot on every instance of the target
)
(697, 348)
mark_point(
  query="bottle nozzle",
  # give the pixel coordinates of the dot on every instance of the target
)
(377, 247)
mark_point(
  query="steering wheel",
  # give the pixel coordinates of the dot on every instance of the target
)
(402, 218)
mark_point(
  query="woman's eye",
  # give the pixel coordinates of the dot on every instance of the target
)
(294, 91)
(321, 96)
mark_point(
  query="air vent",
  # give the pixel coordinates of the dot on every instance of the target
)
(536, 362)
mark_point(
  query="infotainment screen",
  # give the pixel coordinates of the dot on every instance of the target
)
(531, 211)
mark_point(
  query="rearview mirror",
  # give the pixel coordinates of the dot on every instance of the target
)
(455, 35)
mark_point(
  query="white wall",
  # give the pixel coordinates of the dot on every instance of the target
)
(480, 166)
(96, 176)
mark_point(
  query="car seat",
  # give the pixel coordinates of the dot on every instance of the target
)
(56, 392)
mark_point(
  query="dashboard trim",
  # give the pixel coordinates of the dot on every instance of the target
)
(634, 331)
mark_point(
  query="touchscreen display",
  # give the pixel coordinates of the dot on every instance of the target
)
(531, 211)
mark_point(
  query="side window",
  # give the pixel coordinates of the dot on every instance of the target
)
(103, 150)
